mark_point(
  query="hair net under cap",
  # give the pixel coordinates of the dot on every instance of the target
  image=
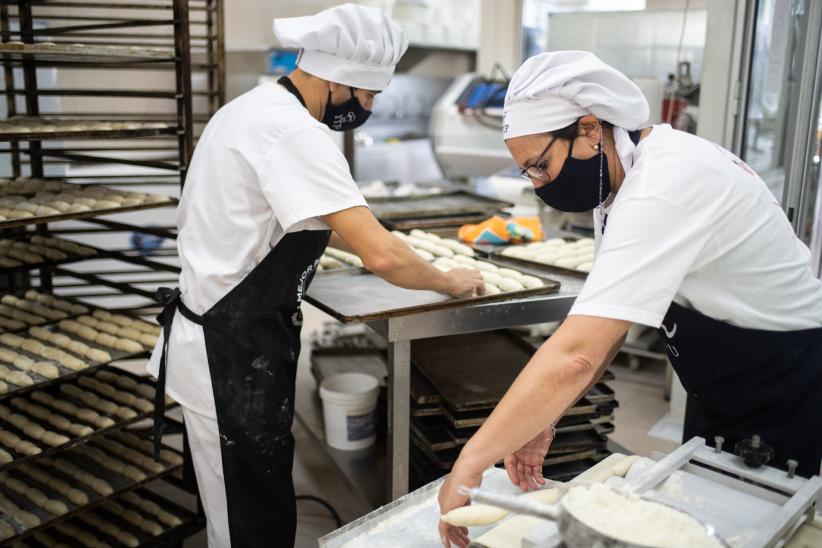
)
(552, 90)
(353, 45)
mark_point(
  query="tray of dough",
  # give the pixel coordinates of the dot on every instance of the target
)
(353, 297)
(456, 202)
(35, 201)
(19, 312)
(34, 251)
(53, 489)
(28, 128)
(566, 255)
(44, 355)
(89, 53)
(47, 421)
(151, 520)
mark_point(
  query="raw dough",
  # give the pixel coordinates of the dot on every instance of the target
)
(508, 284)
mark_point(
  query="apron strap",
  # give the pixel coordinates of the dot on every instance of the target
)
(171, 301)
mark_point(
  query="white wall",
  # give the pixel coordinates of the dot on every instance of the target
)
(648, 50)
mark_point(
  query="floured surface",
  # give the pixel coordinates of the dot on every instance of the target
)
(413, 522)
(636, 521)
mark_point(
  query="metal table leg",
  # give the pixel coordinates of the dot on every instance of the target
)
(399, 411)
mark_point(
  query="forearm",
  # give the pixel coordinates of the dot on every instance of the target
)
(400, 265)
(555, 378)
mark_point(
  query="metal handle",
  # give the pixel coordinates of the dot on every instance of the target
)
(513, 503)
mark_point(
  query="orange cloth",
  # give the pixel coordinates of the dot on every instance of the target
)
(497, 230)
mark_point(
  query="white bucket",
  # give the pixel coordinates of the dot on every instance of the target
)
(349, 410)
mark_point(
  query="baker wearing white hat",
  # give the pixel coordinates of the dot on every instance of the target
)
(265, 186)
(689, 240)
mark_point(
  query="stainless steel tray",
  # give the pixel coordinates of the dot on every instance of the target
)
(352, 297)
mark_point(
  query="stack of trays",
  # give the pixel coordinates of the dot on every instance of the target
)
(446, 409)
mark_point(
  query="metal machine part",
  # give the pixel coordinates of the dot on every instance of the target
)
(754, 452)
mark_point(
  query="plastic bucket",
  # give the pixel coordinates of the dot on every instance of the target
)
(349, 409)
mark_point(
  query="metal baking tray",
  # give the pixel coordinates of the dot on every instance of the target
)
(33, 134)
(471, 371)
(65, 373)
(366, 297)
(422, 393)
(119, 424)
(48, 263)
(191, 523)
(120, 484)
(450, 221)
(46, 51)
(533, 266)
(565, 448)
(457, 202)
(41, 219)
(69, 316)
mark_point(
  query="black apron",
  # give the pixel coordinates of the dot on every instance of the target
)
(742, 382)
(252, 338)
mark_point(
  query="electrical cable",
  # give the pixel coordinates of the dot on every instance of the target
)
(323, 503)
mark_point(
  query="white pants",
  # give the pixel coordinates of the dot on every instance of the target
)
(204, 441)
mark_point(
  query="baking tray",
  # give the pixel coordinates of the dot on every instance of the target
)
(577, 447)
(422, 393)
(451, 221)
(471, 371)
(533, 266)
(191, 523)
(478, 417)
(433, 432)
(65, 373)
(92, 53)
(40, 219)
(366, 297)
(32, 134)
(48, 263)
(457, 202)
(73, 441)
(120, 484)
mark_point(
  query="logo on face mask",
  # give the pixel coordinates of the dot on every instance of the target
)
(343, 119)
(349, 115)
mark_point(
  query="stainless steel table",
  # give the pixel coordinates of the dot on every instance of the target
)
(399, 331)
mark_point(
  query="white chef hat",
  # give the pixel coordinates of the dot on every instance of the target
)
(353, 45)
(552, 90)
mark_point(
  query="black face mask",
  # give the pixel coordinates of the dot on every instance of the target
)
(577, 188)
(349, 115)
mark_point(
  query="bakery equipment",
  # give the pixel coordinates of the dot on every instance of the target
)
(746, 507)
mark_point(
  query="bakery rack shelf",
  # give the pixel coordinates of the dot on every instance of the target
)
(83, 52)
(186, 525)
(82, 215)
(91, 142)
(48, 129)
(119, 485)
(118, 423)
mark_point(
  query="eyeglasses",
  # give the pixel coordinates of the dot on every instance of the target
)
(537, 169)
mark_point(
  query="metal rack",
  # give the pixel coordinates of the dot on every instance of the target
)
(131, 85)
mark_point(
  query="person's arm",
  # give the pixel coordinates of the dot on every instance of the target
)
(390, 258)
(557, 376)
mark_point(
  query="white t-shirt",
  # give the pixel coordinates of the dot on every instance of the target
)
(263, 167)
(694, 225)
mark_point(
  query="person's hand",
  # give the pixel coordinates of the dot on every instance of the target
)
(524, 466)
(450, 498)
(465, 282)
